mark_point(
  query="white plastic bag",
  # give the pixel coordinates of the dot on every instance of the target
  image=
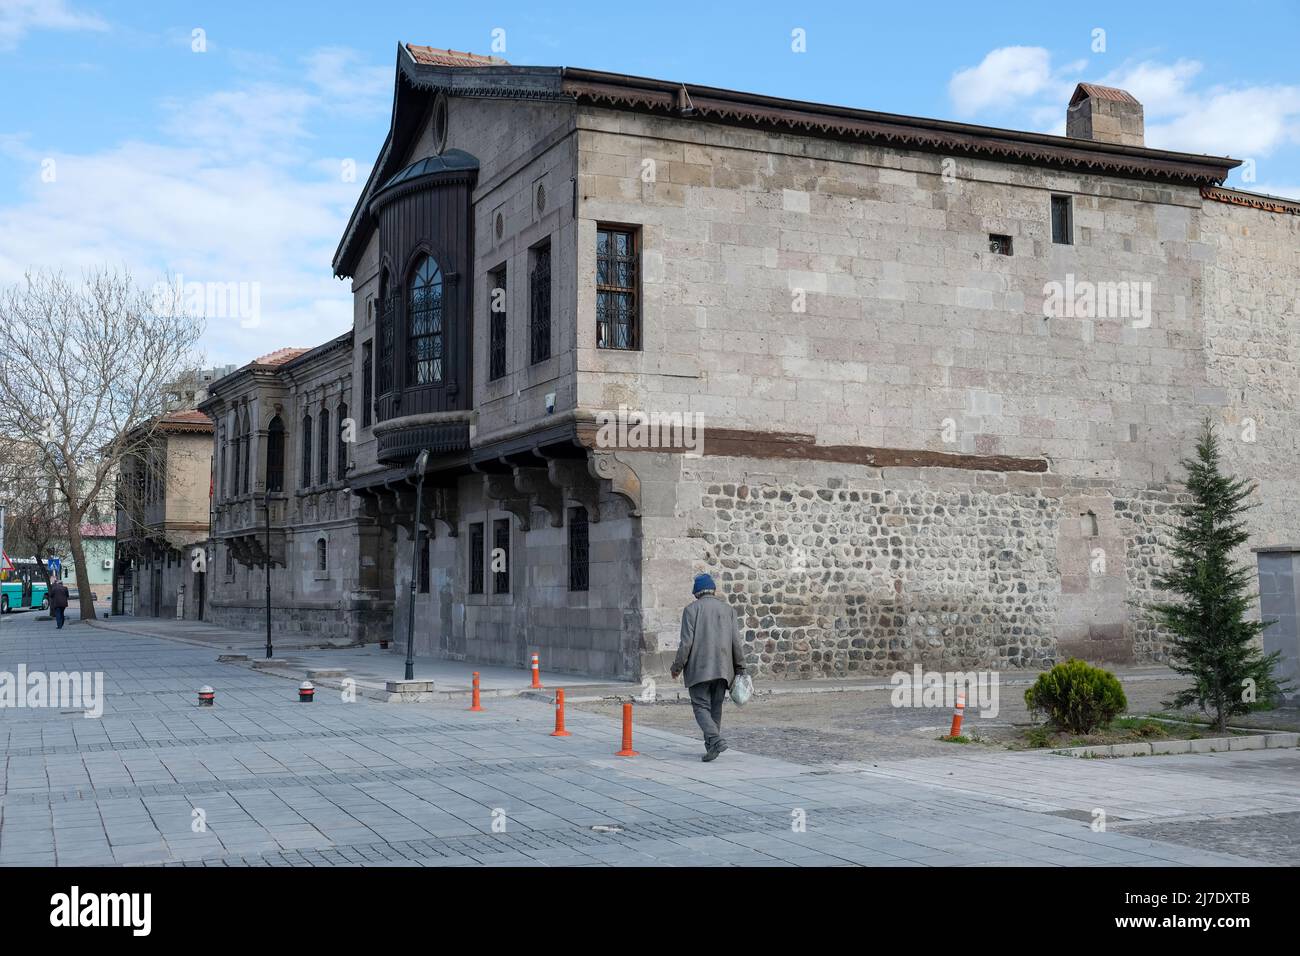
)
(742, 688)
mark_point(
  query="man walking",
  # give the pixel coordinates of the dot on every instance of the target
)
(710, 656)
(58, 600)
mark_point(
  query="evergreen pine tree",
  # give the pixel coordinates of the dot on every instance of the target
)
(1214, 643)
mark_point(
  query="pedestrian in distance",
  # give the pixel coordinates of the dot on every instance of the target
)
(709, 658)
(58, 600)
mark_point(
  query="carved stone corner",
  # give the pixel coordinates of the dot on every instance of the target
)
(575, 482)
(607, 466)
(501, 488)
(535, 483)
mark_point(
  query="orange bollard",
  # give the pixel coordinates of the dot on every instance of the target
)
(627, 750)
(537, 675)
(475, 705)
(957, 715)
(559, 715)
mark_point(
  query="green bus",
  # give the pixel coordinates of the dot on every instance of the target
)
(23, 584)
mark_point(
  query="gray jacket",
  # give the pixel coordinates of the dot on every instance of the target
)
(710, 647)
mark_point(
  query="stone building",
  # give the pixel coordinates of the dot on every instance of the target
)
(282, 443)
(162, 518)
(913, 390)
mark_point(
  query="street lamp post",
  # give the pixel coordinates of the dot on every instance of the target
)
(268, 574)
(421, 460)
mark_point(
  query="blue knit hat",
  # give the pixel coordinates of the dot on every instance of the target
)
(703, 582)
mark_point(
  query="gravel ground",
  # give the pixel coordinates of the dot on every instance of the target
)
(1273, 838)
(828, 727)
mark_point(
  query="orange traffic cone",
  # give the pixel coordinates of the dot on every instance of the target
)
(627, 750)
(474, 704)
(957, 715)
(559, 715)
(537, 674)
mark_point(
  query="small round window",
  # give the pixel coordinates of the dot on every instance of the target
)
(440, 125)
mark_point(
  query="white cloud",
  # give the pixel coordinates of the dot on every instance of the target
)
(1247, 121)
(20, 17)
(233, 191)
(1250, 122)
(1005, 76)
(348, 83)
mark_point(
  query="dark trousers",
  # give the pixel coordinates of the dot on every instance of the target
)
(58, 616)
(706, 700)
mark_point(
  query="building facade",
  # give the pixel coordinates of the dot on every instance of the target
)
(162, 518)
(283, 463)
(914, 391)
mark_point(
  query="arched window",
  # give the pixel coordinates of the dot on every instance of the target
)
(326, 439)
(322, 555)
(248, 443)
(275, 455)
(387, 321)
(306, 451)
(238, 450)
(341, 464)
(424, 325)
(221, 473)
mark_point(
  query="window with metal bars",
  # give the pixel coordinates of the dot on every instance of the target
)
(367, 382)
(341, 452)
(497, 311)
(234, 478)
(501, 556)
(618, 318)
(539, 308)
(476, 558)
(424, 326)
(323, 470)
(305, 477)
(248, 456)
(579, 551)
(1062, 221)
(275, 455)
(387, 336)
(424, 562)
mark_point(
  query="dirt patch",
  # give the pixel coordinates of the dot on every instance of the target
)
(862, 726)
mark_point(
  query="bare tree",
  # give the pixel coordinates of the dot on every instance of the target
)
(81, 379)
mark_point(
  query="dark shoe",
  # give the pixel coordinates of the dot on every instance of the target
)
(710, 755)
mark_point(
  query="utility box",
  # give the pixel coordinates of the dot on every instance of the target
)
(1279, 601)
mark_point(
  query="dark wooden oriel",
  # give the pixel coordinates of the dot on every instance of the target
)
(426, 210)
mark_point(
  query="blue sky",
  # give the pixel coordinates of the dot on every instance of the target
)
(120, 144)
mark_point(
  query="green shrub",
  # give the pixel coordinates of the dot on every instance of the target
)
(1077, 697)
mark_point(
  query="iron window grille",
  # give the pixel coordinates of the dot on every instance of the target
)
(1000, 245)
(323, 470)
(476, 558)
(306, 451)
(501, 545)
(497, 322)
(618, 320)
(367, 382)
(1062, 221)
(424, 338)
(275, 455)
(579, 550)
(424, 562)
(539, 312)
(387, 335)
(341, 452)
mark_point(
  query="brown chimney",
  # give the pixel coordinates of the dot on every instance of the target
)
(1104, 114)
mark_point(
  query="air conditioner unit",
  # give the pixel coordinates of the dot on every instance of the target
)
(108, 564)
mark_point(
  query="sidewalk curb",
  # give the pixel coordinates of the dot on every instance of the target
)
(1269, 741)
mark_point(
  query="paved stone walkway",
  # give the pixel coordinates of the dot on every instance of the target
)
(277, 782)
